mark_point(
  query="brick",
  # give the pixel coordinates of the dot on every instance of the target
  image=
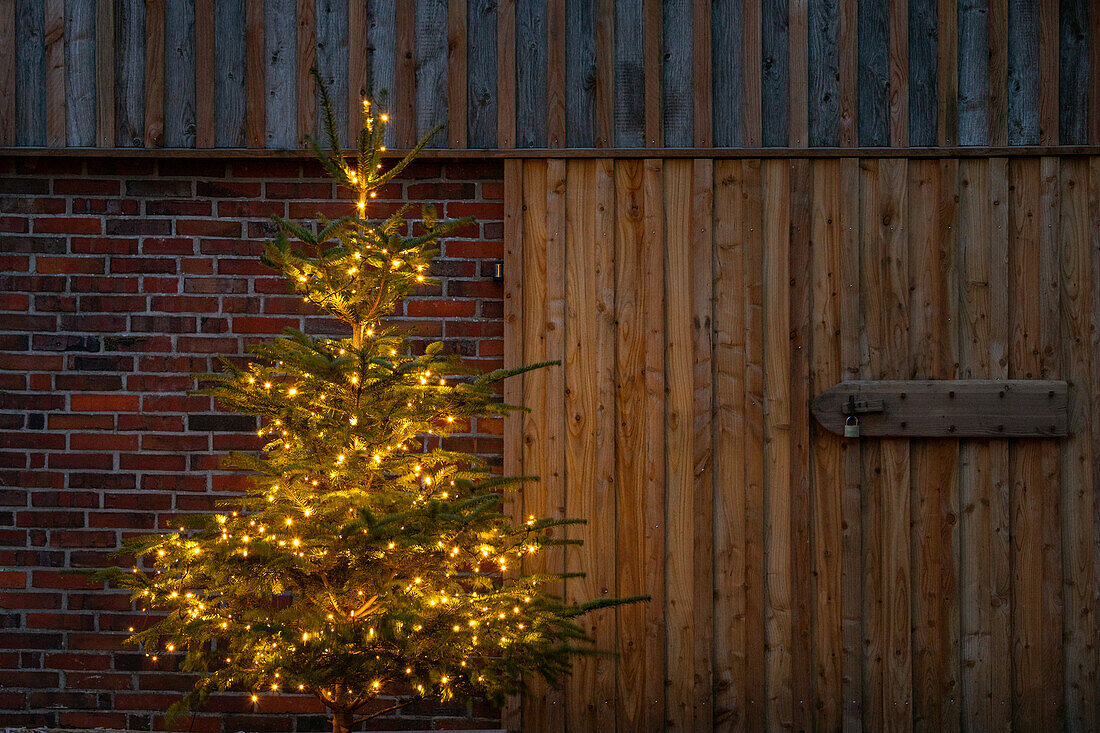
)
(14, 263)
(255, 209)
(66, 342)
(88, 719)
(105, 363)
(133, 225)
(14, 302)
(32, 440)
(92, 284)
(155, 383)
(25, 186)
(104, 403)
(167, 246)
(281, 190)
(104, 245)
(268, 325)
(191, 168)
(122, 520)
(221, 423)
(178, 208)
(440, 308)
(126, 265)
(145, 344)
(72, 661)
(97, 681)
(103, 442)
(61, 621)
(70, 538)
(14, 224)
(208, 228)
(96, 322)
(33, 283)
(159, 188)
(87, 187)
(12, 579)
(68, 225)
(15, 678)
(21, 205)
(215, 285)
(228, 189)
(32, 244)
(143, 462)
(145, 501)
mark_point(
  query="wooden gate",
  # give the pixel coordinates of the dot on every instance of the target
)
(798, 579)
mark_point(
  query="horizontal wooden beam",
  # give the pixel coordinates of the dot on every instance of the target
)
(1032, 151)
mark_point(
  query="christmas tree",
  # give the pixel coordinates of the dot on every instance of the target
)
(359, 567)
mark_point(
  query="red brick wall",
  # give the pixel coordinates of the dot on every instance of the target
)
(118, 279)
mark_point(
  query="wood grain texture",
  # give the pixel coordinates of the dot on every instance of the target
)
(677, 81)
(280, 74)
(79, 75)
(481, 82)
(255, 98)
(824, 106)
(532, 78)
(899, 74)
(179, 74)
(922, 83)
(154, 73)
(947, 73)
(799, 73)
(204, 73)
(702, 59)
(974, 72)
(605, 73)
(229, 74)
(873, 86)
(652, 41)
(1023, 72)
(457, 74)
(403, 116)
(105, 73)
(56, 93)
(630, 75)
(752, 59)
(130, 74)
(431, 70)
(727, 71)
(1073, 71)
(1094, 89)
(382, 46)
(1048, 71)
(506, 73)
(306, 103)
(580, 64)
(7, 76)
(775, 79)
(29, 50)
(556, 73)
(998, 72)
(331, 53)
(359, 66)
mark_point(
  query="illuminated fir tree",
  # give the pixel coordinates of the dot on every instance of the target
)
(360, 567)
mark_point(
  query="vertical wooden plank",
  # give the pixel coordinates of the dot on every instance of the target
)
(1050, 364)
(359, 67)
(975, 478)
(130, 74)
(507, 36)
(204, 73)
(702, 307)
(179, 73)
(755, 571)
(280, 78)
(934, 489)
(55, 89)
(777, 445)
(1094, 88)
(431, 70)
(1027, 555)
(775, 78)
(630, 75)
(922, 84)
(1048, 73)
(651, 39)
(1000, 466)
(307, 58)
(851, 329)
(1023, 72)
(481, 34)
(79, 74)
(998, 72)
(800, 294)
(728, 68)
(899, 74)
(1078, 502)
(679, 453)
(848, 71)
(254, 95)
(456, 73)
(799, 79)
(677, 81)
(656, 516)
(382, 45)
(874, 74)
(404, 119)
(827, 461)
(229, 74)
(824, 71)
(605, 73)
(974, 72)
(752, 58)
(1074, 72)
(332, 65)
(603, 504)
(531, 73)
(730, 496)
(556, 73)
(580, 69)
(630, 441)
(514, 344)
(105, 73)
(154, 73)
(948, 71)
(701, 74)
(7, 76)
(581, 702)
(30, 73)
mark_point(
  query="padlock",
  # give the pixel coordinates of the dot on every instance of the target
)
(851, 427)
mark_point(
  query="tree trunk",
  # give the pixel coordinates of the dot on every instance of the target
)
(342, 722)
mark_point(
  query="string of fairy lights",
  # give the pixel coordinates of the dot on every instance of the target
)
(301, 533)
